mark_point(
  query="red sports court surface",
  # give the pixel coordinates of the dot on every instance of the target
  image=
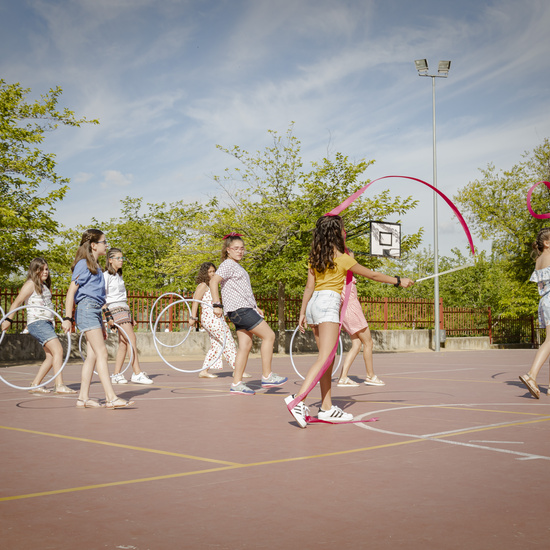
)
(459, 458)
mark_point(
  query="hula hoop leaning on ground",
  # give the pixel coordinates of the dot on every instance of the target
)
(3, 314)
(154, 329)
(334, 370)
(155, 340)
(127, 339)
(67, 355)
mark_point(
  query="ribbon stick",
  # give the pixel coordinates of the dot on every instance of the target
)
(444, 272)
(529, 193)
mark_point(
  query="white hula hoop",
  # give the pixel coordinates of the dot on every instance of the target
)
(67, 355)
(160, 354)
(153, 329)
(334, 370)
(127, 339)
(3, 313)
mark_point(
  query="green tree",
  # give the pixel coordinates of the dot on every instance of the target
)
(274, 203)
(495, 207)
(29, 184)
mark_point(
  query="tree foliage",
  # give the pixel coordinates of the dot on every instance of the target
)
(29, 184)
(495, 206)
(274, 203)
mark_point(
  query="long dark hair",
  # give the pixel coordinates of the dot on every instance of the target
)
(34, 274)
(202, 276)
(84, 251)
(110, 268)
(327, 236)
(542, 236)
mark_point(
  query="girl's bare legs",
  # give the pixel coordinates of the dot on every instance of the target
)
(542, 354)
(326, 335)
(263, 331)
(120, 352)
(96, 357)
(351, 355)
(123, 349)
(360, 338)
(244, 338)
(54, 357)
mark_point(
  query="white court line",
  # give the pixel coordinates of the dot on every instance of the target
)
(497, 442)
(521, 456)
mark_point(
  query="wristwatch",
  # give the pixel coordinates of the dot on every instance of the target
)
(398, 284)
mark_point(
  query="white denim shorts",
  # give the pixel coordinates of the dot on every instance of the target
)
(323, 307)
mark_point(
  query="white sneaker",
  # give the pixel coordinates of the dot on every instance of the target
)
(141, 378)
(299, 411)
(118, 379)
(334, 414)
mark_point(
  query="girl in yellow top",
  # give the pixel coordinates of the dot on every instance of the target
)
(328, 266)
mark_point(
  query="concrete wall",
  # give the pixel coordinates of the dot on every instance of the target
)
(23, 347)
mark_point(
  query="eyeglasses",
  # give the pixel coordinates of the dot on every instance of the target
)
(102, 242)
(237, 249)
(118, 258)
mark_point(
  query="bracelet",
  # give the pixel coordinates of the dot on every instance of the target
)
(217, 305)
(194, 318)
(68, 319)
(398, 284)
(10, 321)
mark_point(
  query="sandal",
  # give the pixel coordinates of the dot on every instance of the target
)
(118, 403)
(207, 375)
(374, 381)
(88, 404)
(41, 389)
(347, 382)
(531, 385)
(64, 390)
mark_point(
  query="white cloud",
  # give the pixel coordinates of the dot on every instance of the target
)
(114, 178)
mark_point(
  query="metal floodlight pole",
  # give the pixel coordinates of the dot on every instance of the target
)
(443, 72)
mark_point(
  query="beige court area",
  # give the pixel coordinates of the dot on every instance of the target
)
(458, 458)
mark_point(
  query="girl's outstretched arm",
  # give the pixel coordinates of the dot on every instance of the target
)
(359, 269)
(69, 306)
(308, 291)
(26, 290)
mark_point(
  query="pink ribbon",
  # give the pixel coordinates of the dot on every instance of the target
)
(529, 193)
(359, 192)
(349, 275)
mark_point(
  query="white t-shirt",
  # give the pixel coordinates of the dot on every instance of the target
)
(115, 290)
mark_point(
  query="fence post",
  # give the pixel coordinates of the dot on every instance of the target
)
(386, 313)
(490, 325)
(280, 344)
(532, 331)
(441, 316)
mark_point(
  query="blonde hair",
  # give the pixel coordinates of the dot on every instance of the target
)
(84, 251)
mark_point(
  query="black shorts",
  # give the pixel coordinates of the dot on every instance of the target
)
(245, 318)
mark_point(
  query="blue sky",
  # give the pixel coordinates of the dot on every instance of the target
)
(170, 79)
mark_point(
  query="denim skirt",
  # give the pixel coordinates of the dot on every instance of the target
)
(43, 331)
(88, 314)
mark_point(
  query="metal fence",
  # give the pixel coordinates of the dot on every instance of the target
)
(382, 314)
